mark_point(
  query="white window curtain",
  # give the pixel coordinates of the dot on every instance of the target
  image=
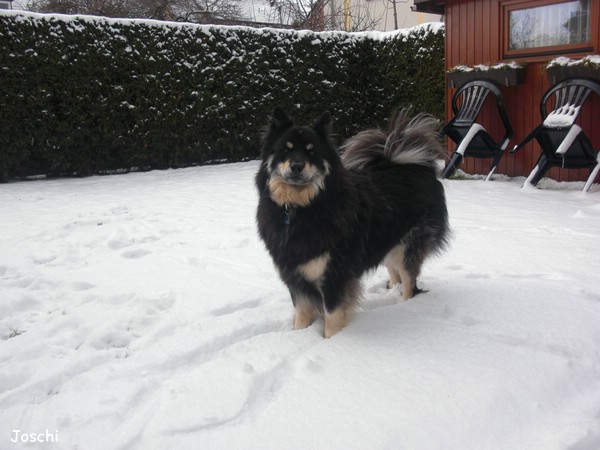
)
(550, 25)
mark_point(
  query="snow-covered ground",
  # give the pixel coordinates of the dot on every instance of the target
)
(141, 311)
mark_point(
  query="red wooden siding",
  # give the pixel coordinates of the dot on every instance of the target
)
(474, 36)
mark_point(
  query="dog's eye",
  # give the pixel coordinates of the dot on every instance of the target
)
(310, 148)
(289, 146)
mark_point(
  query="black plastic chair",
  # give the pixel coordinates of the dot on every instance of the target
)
(563, 142)
(471, 137)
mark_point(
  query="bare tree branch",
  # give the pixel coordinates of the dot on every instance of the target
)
(200, 11)
(331, 14)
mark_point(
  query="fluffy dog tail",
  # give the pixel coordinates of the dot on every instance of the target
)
(408, 141)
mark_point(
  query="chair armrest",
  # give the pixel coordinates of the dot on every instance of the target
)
(475, 128)
(568, 140)
(529, 137)
(505, 140)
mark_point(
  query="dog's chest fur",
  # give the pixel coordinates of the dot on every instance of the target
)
(298, 240)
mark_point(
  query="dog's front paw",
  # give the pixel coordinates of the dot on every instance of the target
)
(304, 315)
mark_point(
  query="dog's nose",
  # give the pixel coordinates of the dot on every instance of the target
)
(297, 167)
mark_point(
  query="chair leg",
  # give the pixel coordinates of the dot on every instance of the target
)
(493, 166)
(454, 162)
(491, 172)
(538, 171)
(592, 177)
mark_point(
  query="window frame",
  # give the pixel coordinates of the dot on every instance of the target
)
(508, 6)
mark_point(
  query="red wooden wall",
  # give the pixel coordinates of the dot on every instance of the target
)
(474, 36)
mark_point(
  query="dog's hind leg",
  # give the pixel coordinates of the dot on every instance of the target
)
(394, 275)
(409, 284)
(403, 263)
(394, 261)
(414, 256)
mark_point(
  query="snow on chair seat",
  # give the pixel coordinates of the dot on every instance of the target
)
(565, 116)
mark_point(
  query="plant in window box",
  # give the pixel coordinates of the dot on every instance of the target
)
(562, 68)
(503, 74)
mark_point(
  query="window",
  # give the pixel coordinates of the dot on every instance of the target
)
(545, 27)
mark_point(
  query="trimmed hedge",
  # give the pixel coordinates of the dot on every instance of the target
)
(83, 95)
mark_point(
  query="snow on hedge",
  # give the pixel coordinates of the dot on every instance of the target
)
(88, 94)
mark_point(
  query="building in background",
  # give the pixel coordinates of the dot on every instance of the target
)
(527, 31)
(364, 15)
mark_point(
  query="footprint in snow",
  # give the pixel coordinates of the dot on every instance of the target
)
(234, 307)
(164, 302)
(120, 243)
(82, 286)
(25, 303)
(590, 295)
(241, 244)
(119, 210)
(469, 321)
(116, 340)
(135, 254)
(313, 366)
(121, 299)
(23, 283)
(477, 275)
(44, 260)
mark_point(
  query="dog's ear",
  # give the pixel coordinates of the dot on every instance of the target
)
(279, 119)
(279, 122)
(322, 123)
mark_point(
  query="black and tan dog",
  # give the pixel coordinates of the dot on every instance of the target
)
(327, 220)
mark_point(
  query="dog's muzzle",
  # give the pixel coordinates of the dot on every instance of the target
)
(295, 174)
(297, 167)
